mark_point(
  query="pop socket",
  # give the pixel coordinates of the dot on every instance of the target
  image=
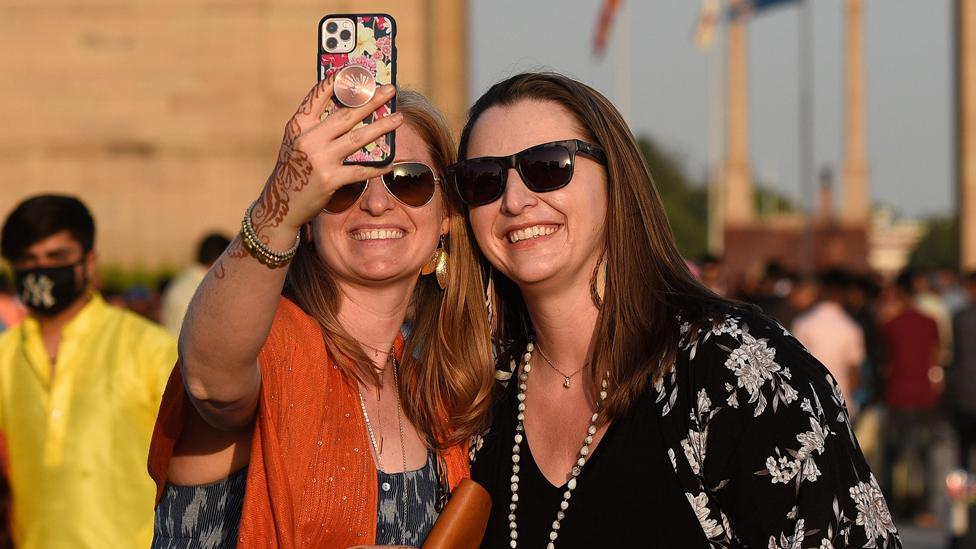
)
(354, 85)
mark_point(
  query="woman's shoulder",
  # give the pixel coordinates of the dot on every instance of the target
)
(740, 359)
(769, 453)
(291, 322)
(747, 349)
(295, 338)
(290, 312)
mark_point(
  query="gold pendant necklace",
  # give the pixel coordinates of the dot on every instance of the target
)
(566, 378)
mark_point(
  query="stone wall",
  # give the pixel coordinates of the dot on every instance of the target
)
(165, 117)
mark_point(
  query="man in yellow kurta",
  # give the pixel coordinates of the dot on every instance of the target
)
(80, 385)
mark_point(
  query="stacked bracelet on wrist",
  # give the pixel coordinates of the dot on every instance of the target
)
(259, 249)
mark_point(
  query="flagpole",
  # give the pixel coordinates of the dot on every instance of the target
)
(716, 121)
(805, 133)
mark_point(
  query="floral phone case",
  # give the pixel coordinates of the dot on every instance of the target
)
(374, 50)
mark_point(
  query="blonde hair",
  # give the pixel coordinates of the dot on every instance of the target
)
(447, 359)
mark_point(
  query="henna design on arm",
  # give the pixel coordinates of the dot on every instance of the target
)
(235, 250)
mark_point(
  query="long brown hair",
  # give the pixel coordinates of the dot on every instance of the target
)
(446, 371)
(648, 283)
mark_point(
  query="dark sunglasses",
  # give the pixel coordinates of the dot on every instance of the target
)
(543, 168)
(411, 183)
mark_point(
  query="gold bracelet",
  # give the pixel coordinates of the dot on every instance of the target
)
(259, 250)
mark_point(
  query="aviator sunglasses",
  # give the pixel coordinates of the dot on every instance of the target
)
(543, 168)
(411, 183)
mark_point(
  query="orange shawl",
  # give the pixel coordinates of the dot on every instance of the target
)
(312, 480)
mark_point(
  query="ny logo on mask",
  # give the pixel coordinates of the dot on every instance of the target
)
(37, 291)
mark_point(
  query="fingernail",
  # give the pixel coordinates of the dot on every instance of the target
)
(397, 116)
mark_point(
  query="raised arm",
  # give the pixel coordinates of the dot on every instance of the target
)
(231, 313)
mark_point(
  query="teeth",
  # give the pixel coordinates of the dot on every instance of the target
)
(534, 231)
(377, 234)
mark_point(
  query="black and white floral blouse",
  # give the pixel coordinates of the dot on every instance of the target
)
(758, 435)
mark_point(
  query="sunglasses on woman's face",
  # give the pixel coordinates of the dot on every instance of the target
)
(411, 183)
(543, 168)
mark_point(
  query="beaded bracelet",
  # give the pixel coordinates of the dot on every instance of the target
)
(259, 250)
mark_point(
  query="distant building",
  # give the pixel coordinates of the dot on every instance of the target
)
(825, 240)
(891, 240)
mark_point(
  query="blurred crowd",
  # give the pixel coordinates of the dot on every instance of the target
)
(903, 352)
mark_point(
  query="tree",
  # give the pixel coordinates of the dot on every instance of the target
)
(685, 201)
(939, 248)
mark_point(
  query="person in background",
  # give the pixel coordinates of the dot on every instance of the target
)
(860, 298)
(827, 331)
(801, 298)
(771, 292)
(179, 292)
(932, 305)
(952, 290)
(712, 275)
(80, 384)
(913, 349)
(143, 301)
(961, 376)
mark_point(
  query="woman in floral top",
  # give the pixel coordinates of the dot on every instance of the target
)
(636, 408)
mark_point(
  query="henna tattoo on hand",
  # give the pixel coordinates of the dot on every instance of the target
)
(235, 250)
(291, 173)
(313, 95)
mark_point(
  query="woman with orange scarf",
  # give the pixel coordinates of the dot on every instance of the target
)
(295, 378)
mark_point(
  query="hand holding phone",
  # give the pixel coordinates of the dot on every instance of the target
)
(359, 50)
(312, 162)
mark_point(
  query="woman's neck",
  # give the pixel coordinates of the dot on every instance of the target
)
(373, 316)
(564, 324)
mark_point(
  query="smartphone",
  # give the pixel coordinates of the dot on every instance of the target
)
(360, 49)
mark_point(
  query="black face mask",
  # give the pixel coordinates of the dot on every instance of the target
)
(49, 290)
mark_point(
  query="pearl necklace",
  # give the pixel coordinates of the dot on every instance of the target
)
(575, 472)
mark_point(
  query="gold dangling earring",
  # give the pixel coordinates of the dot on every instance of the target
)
(431, 264)
(441, 269)
(490, 302)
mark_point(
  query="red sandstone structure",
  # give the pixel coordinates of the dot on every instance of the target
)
(165, 117)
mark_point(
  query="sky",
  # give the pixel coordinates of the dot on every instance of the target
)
(674, 87)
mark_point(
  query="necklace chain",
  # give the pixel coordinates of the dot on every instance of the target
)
(566, 378)
(378, 449)
(516, 449)
(376, 350)
(369, 426)
(403, 448)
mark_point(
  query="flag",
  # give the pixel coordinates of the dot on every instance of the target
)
(748, 7)
(607, 12)
(710, 17)
(707, 23)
